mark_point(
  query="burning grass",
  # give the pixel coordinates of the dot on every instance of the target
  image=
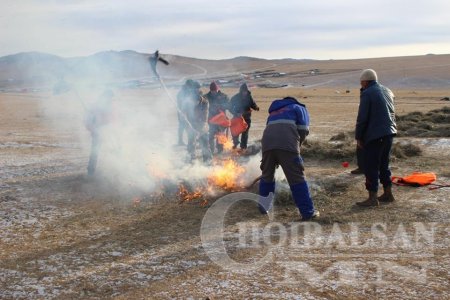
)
(226, 176)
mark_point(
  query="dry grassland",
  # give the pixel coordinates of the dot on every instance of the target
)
(67, 236)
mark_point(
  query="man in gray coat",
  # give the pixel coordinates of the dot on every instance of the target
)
(374, 133)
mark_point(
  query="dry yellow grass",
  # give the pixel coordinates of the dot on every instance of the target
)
(66, 236)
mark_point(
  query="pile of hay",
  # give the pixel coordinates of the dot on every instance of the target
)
(435, 123)
(342, 147)
(341, 150)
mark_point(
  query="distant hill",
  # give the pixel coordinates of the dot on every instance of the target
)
(131, 69)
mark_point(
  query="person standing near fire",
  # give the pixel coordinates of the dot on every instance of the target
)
(185, 92)
(218, 103)
(241, 105)
(195, 107)
(97, 117)
(374, 133)
(286, 129)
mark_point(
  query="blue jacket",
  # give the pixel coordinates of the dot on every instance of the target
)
(287, 125)
(376, 114)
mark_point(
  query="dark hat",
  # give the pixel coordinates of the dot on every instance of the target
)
(214, 86)
(243, 88)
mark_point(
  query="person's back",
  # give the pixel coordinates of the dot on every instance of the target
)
(374, 133)
(376, 116)
(287, 126)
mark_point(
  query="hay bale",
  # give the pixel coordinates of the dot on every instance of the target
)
(443, 131)
(432, 124)
(414, 116)
(405, 150)
(405, 125)
(440, 118)
(341, 136)
(329, 151)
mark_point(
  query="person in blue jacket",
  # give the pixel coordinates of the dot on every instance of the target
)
(286, 129)
(374, 133)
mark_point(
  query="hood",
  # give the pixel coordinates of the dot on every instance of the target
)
(280, 103)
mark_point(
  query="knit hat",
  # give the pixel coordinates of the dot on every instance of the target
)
(368, 75)
(214, 86)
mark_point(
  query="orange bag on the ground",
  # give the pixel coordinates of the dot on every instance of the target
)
(220, 119)
(415, 179)
(238, 126)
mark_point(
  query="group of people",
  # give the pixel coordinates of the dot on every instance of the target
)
(288, 125)
(195, 112)
(286, 129)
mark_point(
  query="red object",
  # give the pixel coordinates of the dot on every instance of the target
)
(238, 126)
(220, 119)
(345, 164)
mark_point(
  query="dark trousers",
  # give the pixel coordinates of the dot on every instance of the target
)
(213, 143)
(290, 162)
(181, 128)
(93, 157)
(244, 136)
(201, 138)
(376, 162)
(360, 158)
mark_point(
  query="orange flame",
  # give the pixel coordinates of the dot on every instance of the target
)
(223, 140)
(227, 176)
(186, 196)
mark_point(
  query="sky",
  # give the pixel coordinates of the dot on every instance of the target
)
(314, 29)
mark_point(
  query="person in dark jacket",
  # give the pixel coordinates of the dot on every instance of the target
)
(184, 94)
(242, 104)
(97, 117)
(218, 102)
(195, 107)
(374, 133)
(286, 130)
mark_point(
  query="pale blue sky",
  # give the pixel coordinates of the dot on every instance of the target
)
(316, 29)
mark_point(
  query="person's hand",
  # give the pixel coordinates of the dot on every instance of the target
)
(257, 108)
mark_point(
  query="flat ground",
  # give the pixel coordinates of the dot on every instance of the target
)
(64, 235)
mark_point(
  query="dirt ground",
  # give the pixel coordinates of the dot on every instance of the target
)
(64, 235)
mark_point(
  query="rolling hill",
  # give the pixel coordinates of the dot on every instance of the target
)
(131, 69)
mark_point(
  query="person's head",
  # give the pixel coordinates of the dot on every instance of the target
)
(367, 76)
(195, 85)
(214, 87)
(189, 83)
(243, 89)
